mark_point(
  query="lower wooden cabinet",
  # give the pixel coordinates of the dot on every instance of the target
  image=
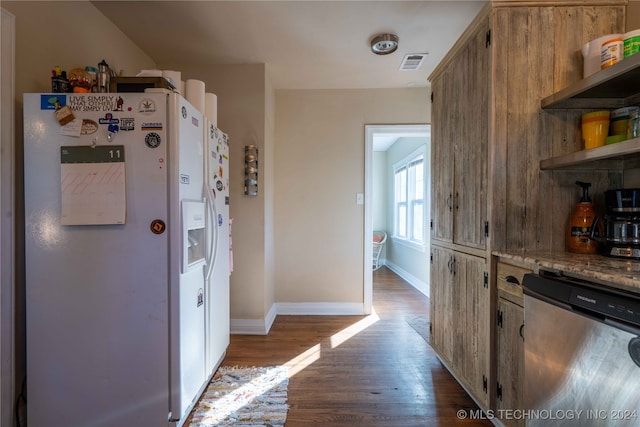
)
(460, 318)
(510, 362)
(509, 344)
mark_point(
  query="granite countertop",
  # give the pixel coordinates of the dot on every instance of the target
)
(614, 272)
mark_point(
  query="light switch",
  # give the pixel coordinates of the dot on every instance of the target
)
(360, 198)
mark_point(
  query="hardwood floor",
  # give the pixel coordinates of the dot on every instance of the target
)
(360, 370)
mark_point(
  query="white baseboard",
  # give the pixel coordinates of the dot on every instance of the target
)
(254, 326)
(421, 286)
(321, 308)
(262, 326)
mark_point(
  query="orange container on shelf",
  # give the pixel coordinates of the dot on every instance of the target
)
(579, 231)
(595, 128)
(612, 51)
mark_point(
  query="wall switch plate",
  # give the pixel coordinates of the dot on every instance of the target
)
(360, 198)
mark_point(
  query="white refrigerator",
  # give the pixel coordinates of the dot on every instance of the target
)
(119, 242)
(217, 177)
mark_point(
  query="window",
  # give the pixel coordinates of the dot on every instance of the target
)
(409, 190)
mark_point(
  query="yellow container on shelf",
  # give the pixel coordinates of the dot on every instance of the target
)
(595, 128)
(619, 120)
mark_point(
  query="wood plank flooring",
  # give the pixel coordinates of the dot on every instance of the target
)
(360, 370)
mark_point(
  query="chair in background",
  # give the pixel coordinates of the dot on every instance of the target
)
(379, 238)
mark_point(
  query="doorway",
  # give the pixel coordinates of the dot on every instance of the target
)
(382, 138)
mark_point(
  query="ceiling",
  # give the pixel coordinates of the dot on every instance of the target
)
(384, 136)
(305, 44)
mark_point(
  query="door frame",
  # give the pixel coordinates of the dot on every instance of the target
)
(7, 231)
(401, 130)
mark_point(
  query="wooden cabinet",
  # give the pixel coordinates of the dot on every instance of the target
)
(472, 279)
(536, 52)
(509, 360)
(489, 134)
(460, 317)
(459, 145)
(509, 347)
(441, 305)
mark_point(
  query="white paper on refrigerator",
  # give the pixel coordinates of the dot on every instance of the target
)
(92, 184)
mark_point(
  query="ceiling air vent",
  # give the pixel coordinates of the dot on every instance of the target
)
(412, 61)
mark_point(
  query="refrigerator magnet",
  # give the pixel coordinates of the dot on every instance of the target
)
(157, 226)
(88, 127)
(152, 140)
(147, 106)
(64, 115)
(127, 124)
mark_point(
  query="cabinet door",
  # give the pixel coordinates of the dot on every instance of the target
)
(510, 358)
(442, 129)
(459, 141)
(470, 101)
(475, 323)
(441, 312)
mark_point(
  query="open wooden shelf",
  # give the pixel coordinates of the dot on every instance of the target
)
(614, 87)
(620, 155)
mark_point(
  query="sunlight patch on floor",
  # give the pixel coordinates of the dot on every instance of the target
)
(228, 400)
(303, 360)
(350, 331)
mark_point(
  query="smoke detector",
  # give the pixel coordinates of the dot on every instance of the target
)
(384, 44)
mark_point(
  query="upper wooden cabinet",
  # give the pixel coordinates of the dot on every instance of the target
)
(459, 137)
(489, 132)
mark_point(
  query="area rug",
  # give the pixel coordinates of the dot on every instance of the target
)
(244, 397)
(421, 325)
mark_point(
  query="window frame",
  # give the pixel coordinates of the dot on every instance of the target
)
(409, 201)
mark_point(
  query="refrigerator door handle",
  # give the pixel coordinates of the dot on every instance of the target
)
(213, 244)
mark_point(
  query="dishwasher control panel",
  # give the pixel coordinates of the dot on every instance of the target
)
(584, 296)
(610, 305)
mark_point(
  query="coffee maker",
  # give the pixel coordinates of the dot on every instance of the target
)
(621, 224)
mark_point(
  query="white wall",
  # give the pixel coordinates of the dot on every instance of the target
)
(246, 112)
(379, 191)
(69, 34)
(270, 190)
(319, 169)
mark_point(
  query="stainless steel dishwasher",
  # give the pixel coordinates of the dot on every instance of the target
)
(582, 353)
